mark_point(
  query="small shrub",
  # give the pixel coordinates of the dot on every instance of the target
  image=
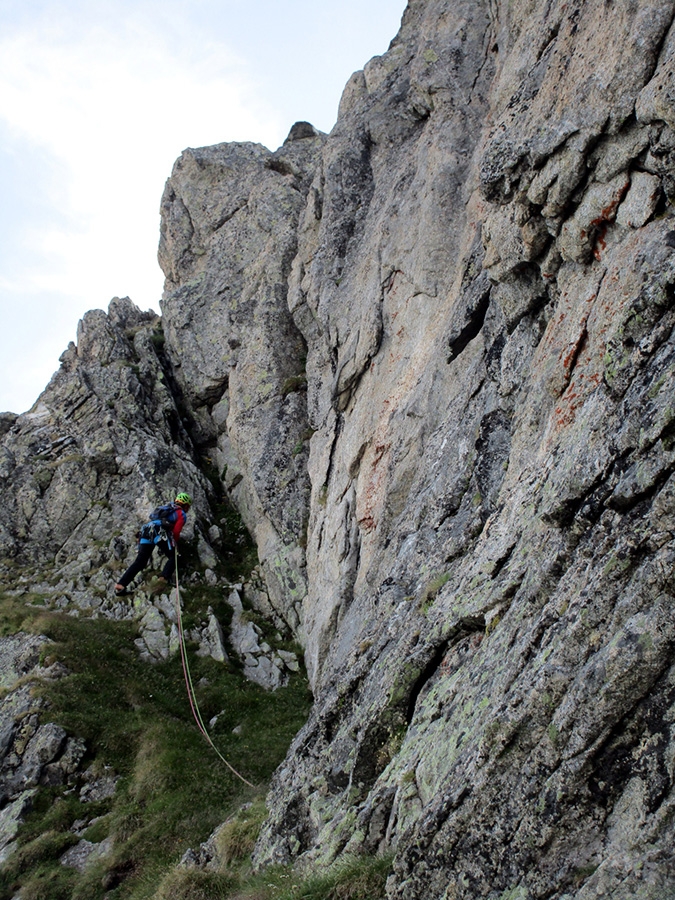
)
(54, 884)
(356, 878)
(158, 339)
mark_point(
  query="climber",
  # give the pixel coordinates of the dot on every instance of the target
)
(162, 531)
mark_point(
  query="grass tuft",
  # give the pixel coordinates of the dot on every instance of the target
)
(235, 840)
(195, 885)
(354, 878)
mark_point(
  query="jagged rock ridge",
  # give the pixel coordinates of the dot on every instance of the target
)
(432, 356)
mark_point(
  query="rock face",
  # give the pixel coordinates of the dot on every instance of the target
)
(100, 448)
(485, 281)
(431, 357)
(228, 237)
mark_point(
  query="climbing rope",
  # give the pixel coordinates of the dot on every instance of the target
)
(192, 697)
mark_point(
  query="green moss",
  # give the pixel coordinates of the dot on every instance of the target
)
(430, 591)
(492, 624)
(616, 565)
(515, 893)
(158, 339)
(236, 839)
(553, 733)
(645, 641)
(238, 554)
(656, 387)
(581, 873)
(293, 384)
(401, 688)
(304, 438)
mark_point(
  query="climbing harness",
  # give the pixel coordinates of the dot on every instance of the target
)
(192, 697)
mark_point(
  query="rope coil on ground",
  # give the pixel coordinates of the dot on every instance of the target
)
(194, 706)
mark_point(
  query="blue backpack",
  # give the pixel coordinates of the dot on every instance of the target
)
(160, 525)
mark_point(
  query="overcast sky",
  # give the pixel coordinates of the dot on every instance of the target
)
(99, 97)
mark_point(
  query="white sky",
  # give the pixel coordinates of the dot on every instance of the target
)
(99, 97)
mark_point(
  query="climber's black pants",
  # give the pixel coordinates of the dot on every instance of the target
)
(143, 558)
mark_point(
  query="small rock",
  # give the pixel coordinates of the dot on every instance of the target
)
(43, 747)
(98, 788)
(640, 201)
(265, 674)
(190, 859)
(78, 856)
(212, 642)
(205, 552)
(174, 640)
(290, 660)
(11, 817)
(85, 853)
(166, 607)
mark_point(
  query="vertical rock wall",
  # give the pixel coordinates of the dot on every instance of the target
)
(484, 280)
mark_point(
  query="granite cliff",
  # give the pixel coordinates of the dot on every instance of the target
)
(430, 358)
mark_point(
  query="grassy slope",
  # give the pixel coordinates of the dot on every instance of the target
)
(173, 789)
(136, 720)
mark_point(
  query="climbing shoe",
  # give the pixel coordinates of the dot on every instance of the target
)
(121, 592)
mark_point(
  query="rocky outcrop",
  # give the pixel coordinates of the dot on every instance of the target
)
(229, 235)
(431, 359)
(263, 665)
(33, 752)
(101, 447)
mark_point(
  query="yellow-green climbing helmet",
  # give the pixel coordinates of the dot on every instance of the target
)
(184, 499)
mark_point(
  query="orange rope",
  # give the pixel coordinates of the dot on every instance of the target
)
(194, 706)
